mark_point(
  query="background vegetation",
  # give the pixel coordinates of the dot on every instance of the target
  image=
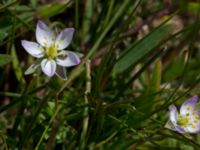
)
(139, 57)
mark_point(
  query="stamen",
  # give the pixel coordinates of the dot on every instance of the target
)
(189, 108)
(193, 126)
(183, 121)
(194, 113)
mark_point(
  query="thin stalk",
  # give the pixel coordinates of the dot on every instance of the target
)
(89, 6)
(22, 20)
(76, 14)
(4, 145)
(112, 22)
(144, 137)
(32, 122)
(106, 140)
(80, 68)
(10, 94)
(109, 11)
(47, 127)
(85, 113)
(2, 8)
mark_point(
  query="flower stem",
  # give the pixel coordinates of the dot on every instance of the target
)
(85, 113)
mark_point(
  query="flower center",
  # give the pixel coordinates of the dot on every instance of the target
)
(183, 121)
(51, 52)
(188, 120)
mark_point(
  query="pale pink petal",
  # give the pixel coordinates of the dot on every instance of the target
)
(44, 35)
(33, 48)
(48, 67)
(179, 129)
(67, 59)
(173, 113)
(64, 38)
(194, 128)
(188, 106)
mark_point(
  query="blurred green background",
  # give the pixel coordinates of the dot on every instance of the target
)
(139, 57)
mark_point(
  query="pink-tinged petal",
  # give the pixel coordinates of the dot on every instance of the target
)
(48, 67)
(173, 113)
(33, 48)
(198, 112)
(61, 72)
(195, 128)
(44, 35)
(64, 38)
(188, 106)
(179, 129)
(67, 59)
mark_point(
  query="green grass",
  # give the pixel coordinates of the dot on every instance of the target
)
(139, 57)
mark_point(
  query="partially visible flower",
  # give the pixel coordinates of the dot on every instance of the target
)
(188, 120)
(50, 51)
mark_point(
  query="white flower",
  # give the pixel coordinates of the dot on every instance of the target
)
(188, 120)
(50, 51)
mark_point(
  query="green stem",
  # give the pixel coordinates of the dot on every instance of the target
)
(108, 16)
(2, 8)
(76, 14)
(80, 68)
(10, 94)
(28, 130)
(85, 113)
(47, 127)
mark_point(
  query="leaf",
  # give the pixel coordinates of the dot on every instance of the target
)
(174, 69)
(52, 10)
(16, 66)
(31, 69)
(5, 59)
(138, 50)
(89, 10)
(3, 35)
(156, 77)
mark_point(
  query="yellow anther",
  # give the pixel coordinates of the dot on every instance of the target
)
(194, 113)
(189, 108)
(196, 121)
(193, 126)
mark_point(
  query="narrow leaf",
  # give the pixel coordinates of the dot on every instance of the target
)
(5, 59)
(138, 50)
